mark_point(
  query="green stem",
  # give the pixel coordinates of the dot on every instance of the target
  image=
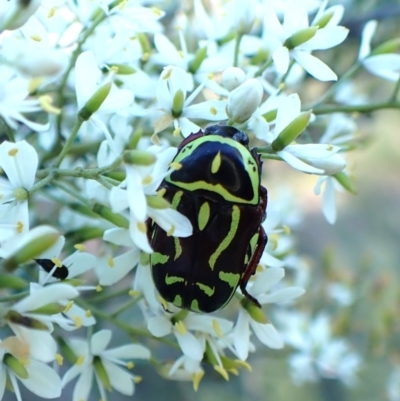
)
(126, 306)
(284, 77)
(360, 108)
(110, 295)
(14, 297)
(73, 192)
(238, 39)
(396, 90)
(69, 142)
(267, 63)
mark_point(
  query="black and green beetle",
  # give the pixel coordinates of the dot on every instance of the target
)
(218, 189)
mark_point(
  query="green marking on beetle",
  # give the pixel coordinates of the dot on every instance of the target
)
(173, 279)
(177, 301)
(247, 158)
(216, 163)
(229, 237)
(158, 258)
(253, 242)
(204, 215)
(176, 199)
(206, 289)
(231, 278)
(194, 306)
(178, 248)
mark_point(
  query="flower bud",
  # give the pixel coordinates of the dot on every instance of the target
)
(17, 12)
(123, 69)
(31, 245)
(101, 373)
(300, 37)
(20, 194)
(291, 131)
(233, 77)
(49, 309)
(390, 46)
(199, 57)
(29, 322)
(177, 103)
(139, 157)
(156, 202)
(16, 366)
(107, 214)
(94, 103)
(324, 20)
(255, 312)
(345, 181)
(244, 101)
(12, 282)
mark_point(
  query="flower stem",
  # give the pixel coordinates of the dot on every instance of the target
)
(358, 108)
(238, 39)
(396, 90)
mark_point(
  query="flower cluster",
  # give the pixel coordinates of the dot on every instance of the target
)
(95, 99)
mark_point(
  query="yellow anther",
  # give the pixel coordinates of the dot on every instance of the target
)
(222, 372)
(243, 364)
(171, 231)
(167, 74)
(134, 293)
(68, 306)
(163, 302)
(177, 131)
(80, 360)
(110, 261)
(46, 103)
(213, 111)
(80, 247)
(51, 12)
(286, 229)
(210, 75)
(88, 313)
(13, 152)
(196, 378)
(137, 379)
(36, 38)
(147, 180)
(59, 359)
(157, 11)
(78, 321)
(114, 68)
(142, 227)
(20, 227)
(130, 365)
(181, 328)
(145, 56)
(99, 288)
(217, 328)
(57, 262)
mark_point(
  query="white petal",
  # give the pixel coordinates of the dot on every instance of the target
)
(42, 381)
(267, 334)
(271, 261)
(190, 345)
(187, 127)
(46, 295)
(118, 236)
(136, 197)
(3, 379)
(285, 294)
(87, 76)
(127, 352)
(83, 385)
(288, 110)
(159, 326)
(241, 335)
(211, 110)
(384, 65)
(71, 373)
(165, 218)
(139, 237)
(77, 313)
(281, 59)
(120, 379)
(329, 201)
(42, 345)
(314, 66)
(266, 280)
(117, 99)
(326, 38)
(79, 263)
(123, 264)
(366, 37)
(118, 199)
(205, 323)
(99, 341)
(298, 164)
(21, 167)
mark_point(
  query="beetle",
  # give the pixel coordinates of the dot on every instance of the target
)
(218, 188)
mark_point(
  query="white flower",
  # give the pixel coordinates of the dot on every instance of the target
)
(14, 101)
(88, 79)
(318, 354)
(144, 181)
(19, 161)
(176, 107)
(385, 65)
(36, 376)
(266, 332)
(296, 20)
(93, 357)
(328, 197)
(14, 14)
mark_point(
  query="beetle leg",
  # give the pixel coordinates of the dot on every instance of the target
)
(252, 266)
(263, 201)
